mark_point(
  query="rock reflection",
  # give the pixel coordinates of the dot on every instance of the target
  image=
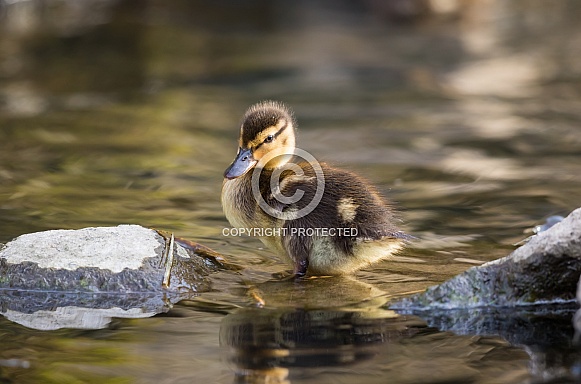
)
(545, 333)
(47, 311)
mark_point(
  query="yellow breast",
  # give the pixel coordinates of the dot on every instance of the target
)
(242, 211)
(233, 202)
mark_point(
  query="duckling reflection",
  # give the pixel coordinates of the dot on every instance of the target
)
(320, 322)
(321, 292)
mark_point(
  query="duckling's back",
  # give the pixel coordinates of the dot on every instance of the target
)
(351, 226)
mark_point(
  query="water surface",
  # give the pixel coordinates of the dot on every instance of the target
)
(127, 112)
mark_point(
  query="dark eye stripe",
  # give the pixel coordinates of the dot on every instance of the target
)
(280, 130)
(274, 136)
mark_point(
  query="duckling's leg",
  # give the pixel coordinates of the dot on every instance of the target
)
(301, 267)
(299, 248)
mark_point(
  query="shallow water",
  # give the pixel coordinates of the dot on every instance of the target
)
(127, 112)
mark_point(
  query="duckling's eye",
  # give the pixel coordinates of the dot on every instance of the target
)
(269, 138)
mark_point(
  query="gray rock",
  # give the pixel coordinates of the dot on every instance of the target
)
(112, 248)
(544, 270)
(526, 298)
(81, 278)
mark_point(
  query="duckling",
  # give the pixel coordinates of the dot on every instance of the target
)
(351, 227)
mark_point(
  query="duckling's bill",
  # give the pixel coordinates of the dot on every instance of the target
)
(243, 162)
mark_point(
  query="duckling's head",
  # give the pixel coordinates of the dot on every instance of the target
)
(267, 133)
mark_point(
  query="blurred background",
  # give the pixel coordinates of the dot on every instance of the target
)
(465, 113)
